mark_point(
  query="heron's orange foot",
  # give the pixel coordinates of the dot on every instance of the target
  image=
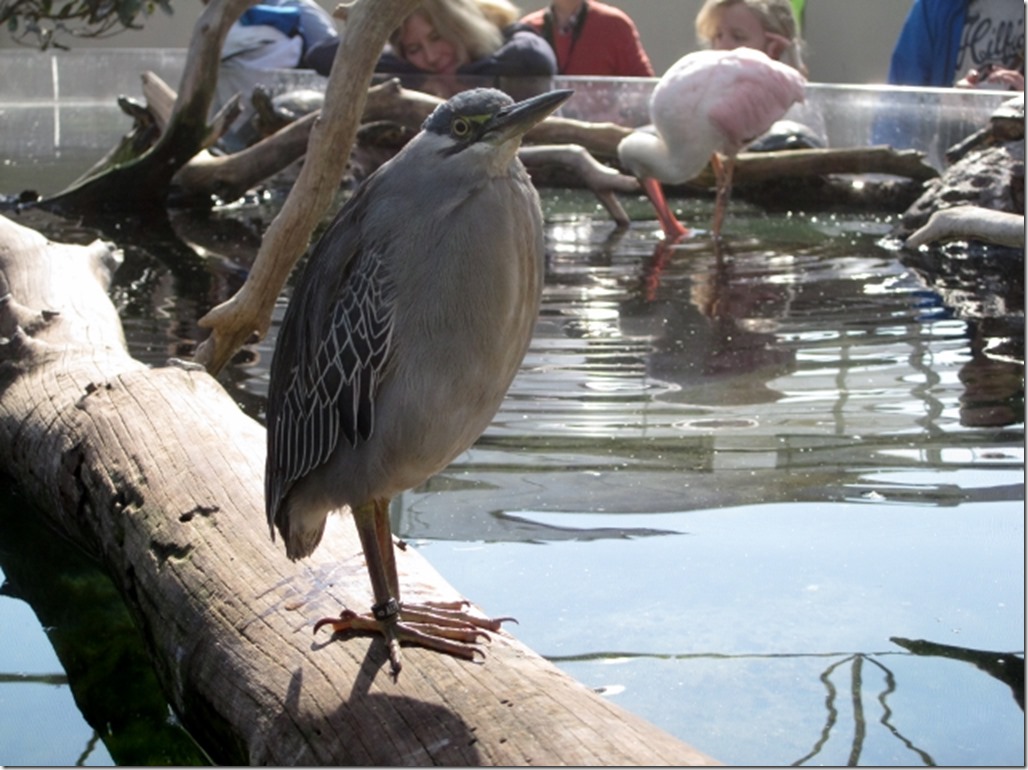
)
(443, 627)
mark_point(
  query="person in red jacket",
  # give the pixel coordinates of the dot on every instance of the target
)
(592, 38)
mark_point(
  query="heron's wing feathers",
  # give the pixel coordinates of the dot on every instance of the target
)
(332, 349)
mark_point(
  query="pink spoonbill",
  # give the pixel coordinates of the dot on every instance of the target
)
(707, 106)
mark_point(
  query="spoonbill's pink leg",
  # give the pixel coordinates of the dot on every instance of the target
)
(723, 168)
(673, 229)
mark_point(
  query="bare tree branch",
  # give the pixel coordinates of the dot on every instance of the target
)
(248, 313)
(970, 222)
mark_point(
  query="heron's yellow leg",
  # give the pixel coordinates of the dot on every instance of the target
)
(444, 627)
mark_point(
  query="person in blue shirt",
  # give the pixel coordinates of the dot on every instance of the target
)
(272, 35)
(278, 34)
(946, 44)
(965, 43)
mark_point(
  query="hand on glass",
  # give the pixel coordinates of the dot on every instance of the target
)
(991, 76)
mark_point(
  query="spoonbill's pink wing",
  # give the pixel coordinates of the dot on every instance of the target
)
(753, 91)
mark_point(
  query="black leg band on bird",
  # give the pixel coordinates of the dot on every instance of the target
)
(389, 609)
(444, 627)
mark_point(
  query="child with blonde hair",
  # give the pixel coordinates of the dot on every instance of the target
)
(767, 25)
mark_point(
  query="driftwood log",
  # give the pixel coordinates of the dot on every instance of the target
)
(137, 183)
(756, 167)
(159, 475)
(231, 175)
(987, 177)
(970, 223)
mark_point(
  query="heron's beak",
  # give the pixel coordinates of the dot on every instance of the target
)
(515, 120)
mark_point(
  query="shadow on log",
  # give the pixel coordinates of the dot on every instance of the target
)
(158, 474)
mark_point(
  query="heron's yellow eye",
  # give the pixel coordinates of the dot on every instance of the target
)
(460, 128)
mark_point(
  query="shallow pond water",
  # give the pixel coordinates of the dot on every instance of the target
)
(769, 497)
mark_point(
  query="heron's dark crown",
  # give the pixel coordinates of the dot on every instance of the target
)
(476, 105)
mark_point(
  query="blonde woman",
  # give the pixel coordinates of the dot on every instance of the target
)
(468, 37)
(767, 25)
(463, 37)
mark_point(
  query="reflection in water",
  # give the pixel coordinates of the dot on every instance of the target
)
(523, 528)
(101, 650)
(1007, 667)
(993, 377)
(856, 684)
(724, 334)
(802, 362)
(984, 285)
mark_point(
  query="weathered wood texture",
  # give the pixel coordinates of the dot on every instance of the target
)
(158, 473)
(755, 167)
(389, 101)
(970, 223)
(230, 176)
